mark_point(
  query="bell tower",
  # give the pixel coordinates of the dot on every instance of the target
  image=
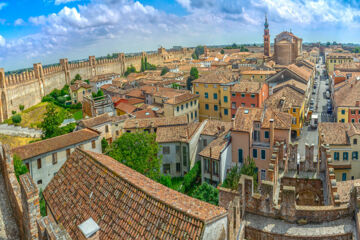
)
(266, 38)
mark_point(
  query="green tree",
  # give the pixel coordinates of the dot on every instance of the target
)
(164, 71)
(104, 144)
(166, 181)
(130, 69)
(207, 193)
(21, 107)
(13, 112)
(42, 204)
(51, 122)
(142, 68)
(194, 74)
(199, 50)
(194, 56)
(249, 168)
(138, 151)
(77, 77)
(16, 118)
(232, 178)
(19, 166)
(192, 177)
(222, 51)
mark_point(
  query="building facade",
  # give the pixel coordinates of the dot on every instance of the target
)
(287, 48)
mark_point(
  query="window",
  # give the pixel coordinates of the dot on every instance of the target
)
(195, 102)
(233, 105)
(355, 141)
(54, 158)
(191, 103)
(182, 107)
(293, 120)
(353, 112)
(243, 95)
(225, 88)
(39, 182)
(177, 108)
(206, 95)
(215, 107)
(226, 111)
(343, 178)
(345, 156)
(195, 114)
(243, 104)
(206, 165)
(253, 105)
(343, 111)
(240, 155)
(27, 166)
(177, 149)
(355, 155)
(83, 92)
(256, 135)
(233, 94)
(263, 174)
(187, 105)
(225, 99)
(197, 93)
(106, 128)
(263, 154)
(215, 168)
(342, 120)
(352, 120)
(294, 110)
(252, 95)
(215, 95)
(233, 116)
(184, 156)
(255, 152)
(166, 150)
(266, 134)
(207, 106)
(117, 132)
(336, 156)
(39, 163)
(197, 84)
(177, 167)
(67, 153)
(204, 142)
(166, 168)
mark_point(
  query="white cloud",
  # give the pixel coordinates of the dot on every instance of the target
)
(19, 22)
(2, 41)
(2, 5)
(58, 2)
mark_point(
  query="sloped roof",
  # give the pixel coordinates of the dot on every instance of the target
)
(284, 99)
(334, 133)
(301, 72)
(124, 203)
(125, 107)
(155, 122)
(245, 117)
(55, 143)
(348, 94)
(213, 127)
(296, 85)
(95, 121)
(216, 77)
(182, 133)
(247, 87)
(181, 98)
(214, 149)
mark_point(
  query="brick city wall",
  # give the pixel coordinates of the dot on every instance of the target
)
(24, 201)
(28, 88)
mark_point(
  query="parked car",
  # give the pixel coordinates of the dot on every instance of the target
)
(327, 94)
(329, 109)
(315, 86)
(314, 91)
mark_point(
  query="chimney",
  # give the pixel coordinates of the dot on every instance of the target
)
(90, 229)
(271, 133)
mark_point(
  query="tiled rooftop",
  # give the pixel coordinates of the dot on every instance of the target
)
(213, 127)
(214, 149)
(95, 121)
(348, 94)
(284, 99)
(334, 133)
(52, 144)
(155, 122)
(247, 87)
(176, 133)
(218, 77)
(124, 203)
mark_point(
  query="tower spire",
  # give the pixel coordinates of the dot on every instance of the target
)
(266, 25)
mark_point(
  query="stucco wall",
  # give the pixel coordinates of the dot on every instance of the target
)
(216, 230)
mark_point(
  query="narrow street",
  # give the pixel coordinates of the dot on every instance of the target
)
(309, 135)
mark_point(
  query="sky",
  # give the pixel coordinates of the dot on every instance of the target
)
(46, 30)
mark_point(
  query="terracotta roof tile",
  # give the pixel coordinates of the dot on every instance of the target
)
(247, 87)
(219, 76)
(95, 121)
(176, 133)
(213, 127)
(181, 98)
(146, 113)
(155, 122)
(214, 149)
(285, 99)
(334, 133)
(55, 143)
(348, 94)
(124, 203)
(301, 87)
(125, 107)
(301, 72)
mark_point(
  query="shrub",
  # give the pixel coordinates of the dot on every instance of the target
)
(13, 112)
(61, 100)
(166, 181)
(19, 167)
(232, 179)
(21, 107)
(192, 177)
(164, 71)
(16, 118)
(207, 193)
(104, 144)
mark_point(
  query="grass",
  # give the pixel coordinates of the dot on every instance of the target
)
(33, 116)
(15, 141)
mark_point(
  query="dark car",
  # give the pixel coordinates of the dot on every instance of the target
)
(329, 109)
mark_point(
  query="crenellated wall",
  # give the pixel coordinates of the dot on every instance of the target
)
(28, 88)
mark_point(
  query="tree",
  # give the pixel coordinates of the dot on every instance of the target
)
(104, 144)
(138, 151)
(207, 193)
(77, 77)
(42, 204)
(13, 112)
(232, 178)
(166, 181)
(164, 71)
(222, 51)
(130, 69)
(142, 68)
(16, 118)
(199, 50)
(21, 107)
(19, 166)
(51, 122)
(249, 168)
(194, 74)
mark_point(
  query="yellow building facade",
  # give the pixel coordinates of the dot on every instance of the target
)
(256, 75)
(333, 59)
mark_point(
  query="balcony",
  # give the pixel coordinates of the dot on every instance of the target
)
(260, 144)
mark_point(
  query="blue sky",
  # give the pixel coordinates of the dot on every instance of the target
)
(47, 30)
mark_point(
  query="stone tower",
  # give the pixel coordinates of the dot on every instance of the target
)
(266, 38)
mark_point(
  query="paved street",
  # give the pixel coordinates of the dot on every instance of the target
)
(309, 135)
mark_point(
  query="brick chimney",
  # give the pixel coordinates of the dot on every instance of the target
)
(90, 229)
